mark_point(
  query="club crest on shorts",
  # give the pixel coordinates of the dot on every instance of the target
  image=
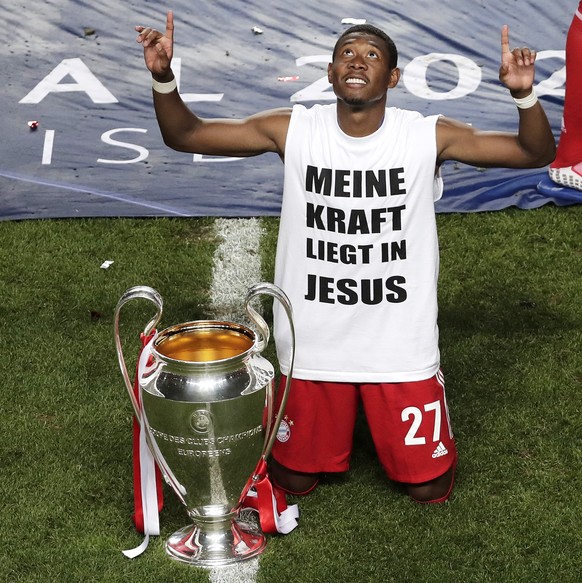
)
(284, 431)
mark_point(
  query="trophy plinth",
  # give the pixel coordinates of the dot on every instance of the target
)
(216, 544)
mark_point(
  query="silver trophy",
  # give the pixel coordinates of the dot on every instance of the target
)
(206, 398)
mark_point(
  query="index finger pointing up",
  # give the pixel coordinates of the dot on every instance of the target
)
(504, 40)
(170, 25)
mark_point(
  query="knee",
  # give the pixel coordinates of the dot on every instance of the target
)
(290, 481)
(433, 491)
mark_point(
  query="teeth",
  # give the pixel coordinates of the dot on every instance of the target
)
(358, 81)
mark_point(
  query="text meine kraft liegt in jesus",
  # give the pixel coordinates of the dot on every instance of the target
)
(355, 184)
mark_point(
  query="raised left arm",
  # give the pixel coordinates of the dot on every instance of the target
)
(532, 146)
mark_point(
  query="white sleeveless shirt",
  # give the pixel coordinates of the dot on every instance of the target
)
(358, 252)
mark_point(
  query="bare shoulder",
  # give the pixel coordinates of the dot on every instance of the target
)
(452, 135)
(273, 123)
(278, 112)
(448, 127)
(274, 119)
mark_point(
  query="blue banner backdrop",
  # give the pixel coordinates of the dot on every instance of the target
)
(79, 136)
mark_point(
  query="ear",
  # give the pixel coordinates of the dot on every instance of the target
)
(394, 78)
(329, 72)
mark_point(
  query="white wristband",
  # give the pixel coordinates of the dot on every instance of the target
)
(164, 87)
(526, 102)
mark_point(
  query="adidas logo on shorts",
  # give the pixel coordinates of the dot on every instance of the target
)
(440, 450)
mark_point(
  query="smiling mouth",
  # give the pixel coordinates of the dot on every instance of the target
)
(355, 81)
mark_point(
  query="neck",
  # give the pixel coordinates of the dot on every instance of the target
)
(359, 121)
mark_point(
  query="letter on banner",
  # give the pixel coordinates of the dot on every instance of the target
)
(414, 76)
(107, 137)
(84, 81)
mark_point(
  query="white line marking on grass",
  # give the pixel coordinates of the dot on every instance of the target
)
(243, 572)
(237, 266)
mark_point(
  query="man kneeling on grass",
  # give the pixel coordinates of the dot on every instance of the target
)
(357, 252)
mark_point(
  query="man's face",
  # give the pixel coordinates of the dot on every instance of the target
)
(360, 73)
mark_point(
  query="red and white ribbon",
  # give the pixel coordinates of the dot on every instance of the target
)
(147, 481)
(270, 502)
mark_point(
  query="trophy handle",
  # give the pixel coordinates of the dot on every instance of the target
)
(277, 293)
(148, 293)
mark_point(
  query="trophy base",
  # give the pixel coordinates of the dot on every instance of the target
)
(216, 544)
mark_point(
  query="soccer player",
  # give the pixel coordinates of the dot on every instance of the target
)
(357, 252)
(567, 167)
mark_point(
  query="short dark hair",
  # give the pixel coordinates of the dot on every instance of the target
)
(374, 31)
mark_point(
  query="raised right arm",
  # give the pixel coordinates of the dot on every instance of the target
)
(183, 130)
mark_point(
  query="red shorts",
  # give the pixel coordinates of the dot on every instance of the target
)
(409, 423)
